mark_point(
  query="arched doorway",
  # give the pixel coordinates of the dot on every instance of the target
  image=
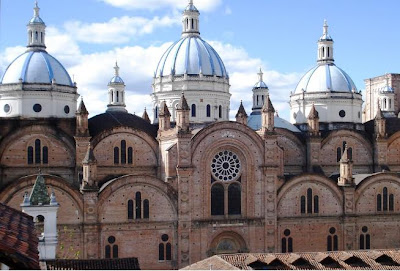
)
(227, 243)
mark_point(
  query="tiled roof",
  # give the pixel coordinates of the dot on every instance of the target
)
(110, 120)
(93, 264)
(18, 240)
(345, 260)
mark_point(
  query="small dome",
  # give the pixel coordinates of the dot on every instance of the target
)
(36, 20)
(191, 7)
(36, 67)
(191, 55)
(116, 80)
(326, 78)
(260, 84)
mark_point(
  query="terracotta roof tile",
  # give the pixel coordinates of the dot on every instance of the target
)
(93, 264)
(18, 241)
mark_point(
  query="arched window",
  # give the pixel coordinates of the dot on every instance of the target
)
(36, 36)
(217, 199)
(123, 152)
(112, 96)
(303, 204)
(156, 112)
(146, 208)
(138, 205)
(309, 203)
(234, 199)
(111, 249)
(385, 201)
(338, 154)
(332, 240)
(350, 153)
(390, 103)
(30, 36)
(164, 249)
(316, 204)
(161, 256)
(117, 96)
(45, 155)
(287, 242)
(328, 51)
(116, 155)
(130, 209)
(208, 109)
(323, 51)
(30, 155)
(384, 103)
(37, 151)
(257, 100)
(130, 155)
(193, 110)
(192, 24)
(220, 111)
(41, 37)
(365, 238)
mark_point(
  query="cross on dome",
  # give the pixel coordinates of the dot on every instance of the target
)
(260, 75)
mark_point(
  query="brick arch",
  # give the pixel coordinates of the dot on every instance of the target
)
(362, 151)
(60, 145)
(103, 146)
(294, 150)
(234, 237)
(250, 149)
(130, 182)
(368, 188)
(295, 188)
(393, 151)
(68, 196)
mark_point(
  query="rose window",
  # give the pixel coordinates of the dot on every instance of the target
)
(225, 166)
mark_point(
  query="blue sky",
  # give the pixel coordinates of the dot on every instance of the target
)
(87, 36)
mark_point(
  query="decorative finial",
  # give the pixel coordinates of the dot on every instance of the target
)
(260, 75)
(325, 27)
(36, 9)
(116, 68)
(190, 2)
(40, 171)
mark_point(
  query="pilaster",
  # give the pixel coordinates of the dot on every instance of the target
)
(349, 223)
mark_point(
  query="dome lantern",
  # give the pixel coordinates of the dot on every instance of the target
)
(325, 46)
(36, 31)
(116, 92)
(190, 21)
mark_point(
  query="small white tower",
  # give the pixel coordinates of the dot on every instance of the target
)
(36, 31)
(116, 92)
(260, 93)
(43, 208)
(190, 21)
(325, 46)
(386, 99)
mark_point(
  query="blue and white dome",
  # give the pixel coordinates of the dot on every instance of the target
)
(191, 55)
(326, 77)
(36, 67)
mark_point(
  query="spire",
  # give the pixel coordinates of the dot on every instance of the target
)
(164, 112)
(190, 21)
(325, 46)
(346, 169)
(345, 156)
(241, 112)
(379, 113)
(39, 194)
(268, 107)
(82, 108)
(145, 116)
(36, 31)
(89, 157)
(313, 113)
(183, 105)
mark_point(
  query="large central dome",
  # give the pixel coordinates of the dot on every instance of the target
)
(192, 66)
(193, 56)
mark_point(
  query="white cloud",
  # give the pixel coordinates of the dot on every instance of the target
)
(204, 5)
(117, 30)
(228, 10)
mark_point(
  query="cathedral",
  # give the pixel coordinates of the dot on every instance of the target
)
(190, 183)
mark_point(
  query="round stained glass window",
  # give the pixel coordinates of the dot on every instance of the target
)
(342, 113)
(7, 108)
(225, 166)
